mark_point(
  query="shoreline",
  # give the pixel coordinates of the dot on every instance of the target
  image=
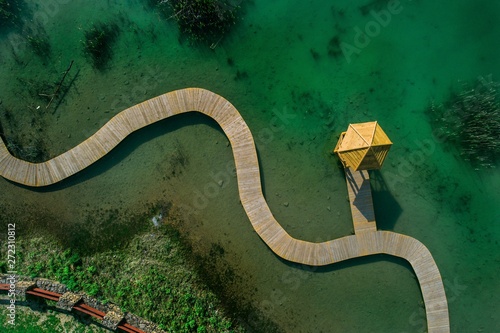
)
(295, 164)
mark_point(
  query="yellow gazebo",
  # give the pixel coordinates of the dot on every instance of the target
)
(363, 146)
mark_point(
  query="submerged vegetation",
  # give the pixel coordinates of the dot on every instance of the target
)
(30, 147)
(34, 152)
(40, 44)
(98, 43)
(10, 12)
(200, 20)
(470, 121)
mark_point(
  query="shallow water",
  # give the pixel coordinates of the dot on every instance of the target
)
(297, 92)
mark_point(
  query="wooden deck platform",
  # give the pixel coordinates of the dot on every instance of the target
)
(360, 198)
(366, 241)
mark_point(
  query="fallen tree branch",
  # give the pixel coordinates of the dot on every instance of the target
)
(58, 86)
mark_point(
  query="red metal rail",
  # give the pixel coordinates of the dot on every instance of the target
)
(81, 307)
(44, 294)
(130, 329)
(89, 310)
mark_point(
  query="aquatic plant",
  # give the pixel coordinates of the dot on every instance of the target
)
(314, 54)
(202, 20)
(471, 121)
(40, 45)
(10, 11)
(98, 43)
(34, 152)
(240, 75)
(334, 48)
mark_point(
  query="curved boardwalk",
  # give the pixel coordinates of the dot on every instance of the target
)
(368, 242)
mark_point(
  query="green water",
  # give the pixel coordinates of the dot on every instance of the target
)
(282, 69)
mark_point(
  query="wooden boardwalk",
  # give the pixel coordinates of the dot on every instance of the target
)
(366, 241)
(360, 198)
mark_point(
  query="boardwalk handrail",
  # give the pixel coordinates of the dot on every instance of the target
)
(249, 187)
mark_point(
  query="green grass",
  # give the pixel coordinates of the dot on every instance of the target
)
(151, 276)
(48, 322)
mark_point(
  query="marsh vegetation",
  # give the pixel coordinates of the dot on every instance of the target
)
(200, 20)
(470, 121)
(98, 43)
(120, 257)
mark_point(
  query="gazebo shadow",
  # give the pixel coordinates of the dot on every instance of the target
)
(361, 192)
(387, 209)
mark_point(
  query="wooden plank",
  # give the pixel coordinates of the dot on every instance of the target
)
(366, 241)
(360, 199)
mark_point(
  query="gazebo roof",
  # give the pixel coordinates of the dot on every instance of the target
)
(363, 146)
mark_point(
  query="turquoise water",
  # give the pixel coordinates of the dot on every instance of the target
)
(281, 66)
